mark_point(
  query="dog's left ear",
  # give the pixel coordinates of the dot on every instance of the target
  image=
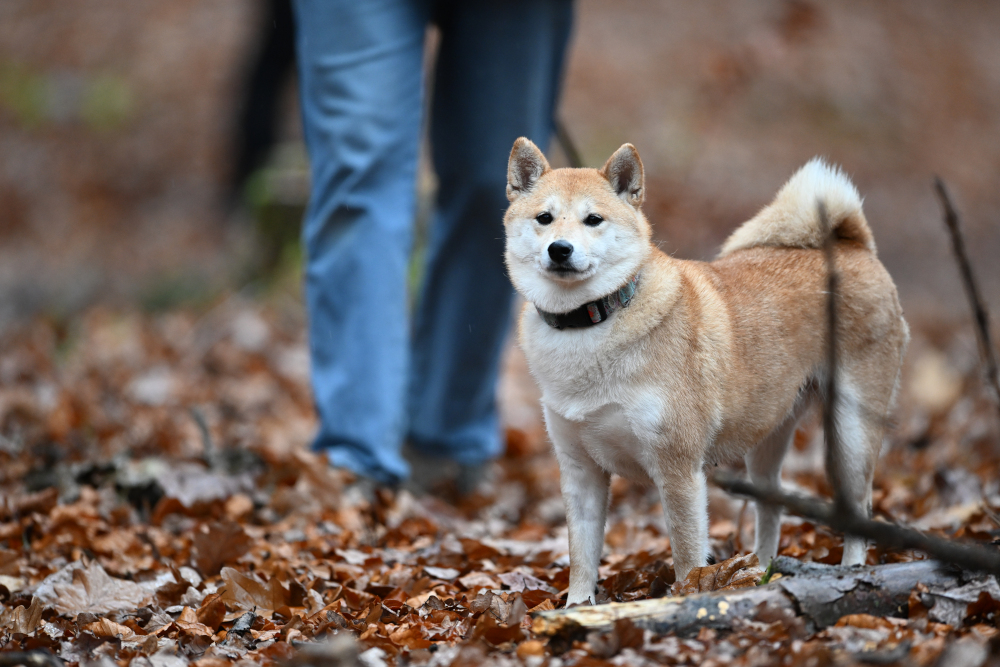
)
(624, 171)
(525, 167)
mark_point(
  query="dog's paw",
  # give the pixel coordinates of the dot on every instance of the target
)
(586, 602)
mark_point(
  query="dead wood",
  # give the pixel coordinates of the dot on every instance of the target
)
(818, 595)
(981, 317)
(968, 556)
(35, 658)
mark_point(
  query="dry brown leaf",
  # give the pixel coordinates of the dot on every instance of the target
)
(442, 573)
(492, 631)
(41, 502)
(212, 661)
(191, 484)
(216, 544)
(322, 478)
(22, 619)
(736, 572)
(88, 588)
(106, 629)
(544, 605)
(188, 623)
(212, 611)
(238, 506)
(478, 580)
(519, 581)
(529, 648)
(866, 621)
(410, 637)
(8, 561)
(244, 593)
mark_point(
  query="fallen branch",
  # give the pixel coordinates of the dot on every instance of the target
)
(968, 556)
(979, 313)
(34, 658)
(818, 595)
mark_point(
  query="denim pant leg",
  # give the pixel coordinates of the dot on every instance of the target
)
(360, 77)
(497, 78)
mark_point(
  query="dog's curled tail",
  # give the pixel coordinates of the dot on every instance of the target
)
(792, 219)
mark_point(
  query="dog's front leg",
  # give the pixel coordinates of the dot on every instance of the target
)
(585, 494)
(685, 505)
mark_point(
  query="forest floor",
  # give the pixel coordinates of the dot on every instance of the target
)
(160, 507)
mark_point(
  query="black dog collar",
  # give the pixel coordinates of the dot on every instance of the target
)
(594, 312)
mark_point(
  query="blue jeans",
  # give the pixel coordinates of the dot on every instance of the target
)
(376, 380)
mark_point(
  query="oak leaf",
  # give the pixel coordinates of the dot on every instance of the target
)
(22, 619)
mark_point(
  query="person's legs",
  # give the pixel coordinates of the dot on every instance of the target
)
(497, 78)
(360, 77)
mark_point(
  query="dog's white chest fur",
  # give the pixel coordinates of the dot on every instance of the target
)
(613, 411)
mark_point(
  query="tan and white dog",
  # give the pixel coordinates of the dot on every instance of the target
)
(652, 367)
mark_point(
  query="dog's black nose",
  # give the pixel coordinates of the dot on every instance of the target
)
(560, 251)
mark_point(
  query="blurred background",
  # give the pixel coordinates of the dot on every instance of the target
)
(153, 360)
(127, 180)
(119, 133)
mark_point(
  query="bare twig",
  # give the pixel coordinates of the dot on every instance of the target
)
(967, 556)
(979, 313)
(206, 436)
(830, 391)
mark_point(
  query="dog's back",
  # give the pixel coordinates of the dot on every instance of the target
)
(772, 277)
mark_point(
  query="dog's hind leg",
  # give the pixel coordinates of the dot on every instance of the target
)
(850, 462)
(764, 465)
(685, 505)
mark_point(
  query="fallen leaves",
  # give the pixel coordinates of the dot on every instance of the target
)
(216, 544)
(22, 619)
(106, 628)
(244, 592)
(165, 540)
(86, 587)
(736, 572)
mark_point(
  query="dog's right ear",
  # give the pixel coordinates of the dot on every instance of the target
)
(525, 167)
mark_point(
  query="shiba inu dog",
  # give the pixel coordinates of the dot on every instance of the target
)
(653, 367)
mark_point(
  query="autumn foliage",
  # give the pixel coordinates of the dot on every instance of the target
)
(160, 505)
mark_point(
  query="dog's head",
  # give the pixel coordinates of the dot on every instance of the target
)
(573, 235)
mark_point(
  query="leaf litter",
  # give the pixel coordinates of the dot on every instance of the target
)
(160, 508)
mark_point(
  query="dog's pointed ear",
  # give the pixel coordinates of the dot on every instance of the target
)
(624, 171)
(525, 167)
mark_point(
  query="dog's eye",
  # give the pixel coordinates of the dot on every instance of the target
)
(593, 220)
(544, 218)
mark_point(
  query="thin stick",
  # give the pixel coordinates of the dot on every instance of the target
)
(830, 433)
(966, 556)
(979, 313)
